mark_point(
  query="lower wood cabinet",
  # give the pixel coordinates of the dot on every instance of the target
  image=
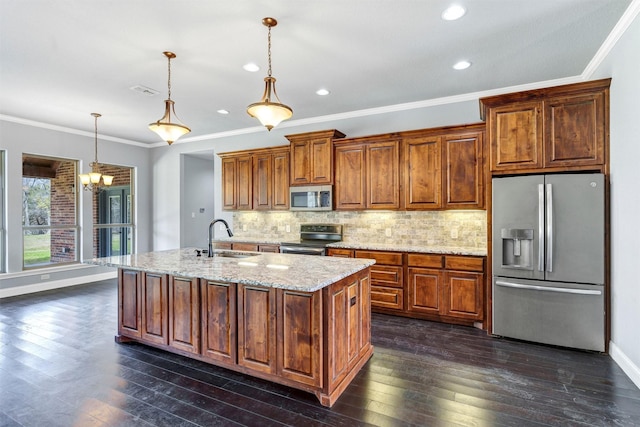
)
(315, 341)
(446, 288)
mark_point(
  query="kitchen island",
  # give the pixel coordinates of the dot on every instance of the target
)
(302, 321)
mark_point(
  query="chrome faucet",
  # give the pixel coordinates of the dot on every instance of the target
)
(210, 254)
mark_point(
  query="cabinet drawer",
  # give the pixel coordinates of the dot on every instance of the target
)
(245, 247)
(425, 260)
(464, 263)
(342, 253)
(387, 258)
(383, 275)
(383, 297)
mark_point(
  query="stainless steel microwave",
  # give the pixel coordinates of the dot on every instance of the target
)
(311, 198)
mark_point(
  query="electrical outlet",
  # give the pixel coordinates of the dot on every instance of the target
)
(221, 227)
(193, 214)
(287, 228)
(44, 276)
(244, 227)
(387, 232)
(454, 233)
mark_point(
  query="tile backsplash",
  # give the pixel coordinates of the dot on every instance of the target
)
(460, 228)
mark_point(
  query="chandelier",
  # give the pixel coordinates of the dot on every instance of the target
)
(167, 130)
(269, 113)
(91, 181)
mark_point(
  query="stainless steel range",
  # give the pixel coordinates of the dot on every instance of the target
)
(314, 239)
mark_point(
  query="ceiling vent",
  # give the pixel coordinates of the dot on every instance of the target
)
(144, 90)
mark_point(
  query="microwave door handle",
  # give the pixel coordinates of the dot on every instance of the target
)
(541, 227)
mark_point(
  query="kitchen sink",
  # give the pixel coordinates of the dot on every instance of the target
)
(234, 254)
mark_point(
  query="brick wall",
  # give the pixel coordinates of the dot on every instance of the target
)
(63, 212)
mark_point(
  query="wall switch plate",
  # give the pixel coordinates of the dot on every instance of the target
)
(387, 232)
(193, 214)
(287, 228)
(221, 227)
(454, 233)
(244, 227)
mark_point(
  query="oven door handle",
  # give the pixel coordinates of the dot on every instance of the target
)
(301, 250)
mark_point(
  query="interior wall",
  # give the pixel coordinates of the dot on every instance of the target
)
(18, 138)
(622, 64)
(196, 200)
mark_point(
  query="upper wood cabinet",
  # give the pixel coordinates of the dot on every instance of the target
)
(312, 157)
(256, 179)
(367, 174)
(444, 168)
(561, 128)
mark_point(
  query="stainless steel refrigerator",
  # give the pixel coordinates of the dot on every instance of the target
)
(548, 252)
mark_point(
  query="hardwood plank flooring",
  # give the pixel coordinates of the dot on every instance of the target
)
(60, 366)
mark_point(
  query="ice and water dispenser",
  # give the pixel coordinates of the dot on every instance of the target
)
(517, 248)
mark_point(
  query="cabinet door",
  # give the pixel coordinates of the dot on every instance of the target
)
(464, 295)
(184, 314)
(229, 182)
(350, 190)
(463, 171)
(129, 299)
(256, 328)
(575, 130)
(423, 173)
(262, 181)
(219, 321)
(280, 191)
(300, 162)
(300, 336)
(244, 188)
(383, 183)
(321, 161)
(155, 308)
(426, 290)
(515, 133)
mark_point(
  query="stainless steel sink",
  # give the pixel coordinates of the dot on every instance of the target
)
(234, 254)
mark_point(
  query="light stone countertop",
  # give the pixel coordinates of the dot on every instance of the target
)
(400, 247)
(395, 247)
(305, 273)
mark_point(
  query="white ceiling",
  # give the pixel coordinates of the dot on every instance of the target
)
(62, 60)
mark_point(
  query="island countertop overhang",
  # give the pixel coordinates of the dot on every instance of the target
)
(303, 273)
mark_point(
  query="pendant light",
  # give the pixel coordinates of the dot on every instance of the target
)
(91, 181)
(269, 113)
(167, 130)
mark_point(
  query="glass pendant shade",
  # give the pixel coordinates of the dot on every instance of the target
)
(94, 177)
(167, 130)
(107, 179)
(270, 114)
(85, 179)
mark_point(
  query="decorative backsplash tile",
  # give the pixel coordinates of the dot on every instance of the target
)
(461, 228)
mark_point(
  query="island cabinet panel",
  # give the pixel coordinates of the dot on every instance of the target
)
(219, 321)
(155, 308)
(257, 328)
(184, 314)
(300, 336)
(129, 307)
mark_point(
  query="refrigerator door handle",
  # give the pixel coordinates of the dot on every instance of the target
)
(541, 236)
(549, 228)
(547, 288)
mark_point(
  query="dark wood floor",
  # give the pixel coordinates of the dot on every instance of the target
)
(60, 366)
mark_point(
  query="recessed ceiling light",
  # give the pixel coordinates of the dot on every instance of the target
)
(453, 12)
(223, 112)
(462, 65)
(322, 92)
(251, 67)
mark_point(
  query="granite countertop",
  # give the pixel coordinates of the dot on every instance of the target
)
(401, 247)
(395, 247)
(295, 272)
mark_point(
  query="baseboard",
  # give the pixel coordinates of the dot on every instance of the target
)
(629, 368)
(56, 284)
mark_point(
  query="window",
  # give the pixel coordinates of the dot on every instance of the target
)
(113, 214)
(49, 211)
